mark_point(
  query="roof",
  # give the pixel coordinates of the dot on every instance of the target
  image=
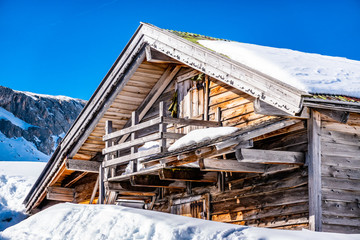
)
(247, 79)
(312, 73)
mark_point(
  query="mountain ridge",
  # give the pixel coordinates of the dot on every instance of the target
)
(32, 125)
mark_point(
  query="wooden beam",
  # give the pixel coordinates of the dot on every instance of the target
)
(339, 116)
(60, 194)
(157, 57)
(314, 162)
(228, 165)
(125, 186)
(187, 174)
(272, 157)
(152, 181)
(82, 165)
(261, 107)
(72, 178)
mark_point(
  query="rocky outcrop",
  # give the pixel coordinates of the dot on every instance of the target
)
(47, 117)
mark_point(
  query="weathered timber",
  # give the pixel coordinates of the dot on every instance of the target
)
(211, 164)
(346, 221)
(157, 57)
(153, 181)
(126, 186)
(60, 194)
(83, 166)
(95, 188)
(340, 172)
(261, 200)
(72, 178)
(187, 174)
(187, 75)
(127, 158)
(271, 157)
(340, 195)
(131, 129)
(341, 184)
(339, 116)
(341, 209)
(314, 163)
(192, 122)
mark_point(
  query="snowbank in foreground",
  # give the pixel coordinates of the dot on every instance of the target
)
(72, 221)
(16, 180)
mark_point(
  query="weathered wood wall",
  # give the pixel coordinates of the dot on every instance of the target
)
(340, 175)
(278, 199)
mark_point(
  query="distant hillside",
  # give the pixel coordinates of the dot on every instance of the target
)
(32, 125)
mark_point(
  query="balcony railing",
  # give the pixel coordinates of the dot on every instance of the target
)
(121, 147)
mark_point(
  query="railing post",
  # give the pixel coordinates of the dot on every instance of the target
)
(134, 121)
(108, 130)
(101, 185)
(162, 127)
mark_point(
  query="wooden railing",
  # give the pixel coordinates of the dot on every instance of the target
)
(120, 153)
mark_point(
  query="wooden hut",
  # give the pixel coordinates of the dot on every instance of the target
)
(293, 162)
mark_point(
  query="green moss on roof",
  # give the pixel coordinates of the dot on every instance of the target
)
(336, 98)
(193, 37)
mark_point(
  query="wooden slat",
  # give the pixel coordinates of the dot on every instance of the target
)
(83, 166)
(131, 129)
(270, 156)
(127, 158)
(209, 164)
(60, 194)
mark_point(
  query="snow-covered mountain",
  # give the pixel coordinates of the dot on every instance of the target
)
(32, 125)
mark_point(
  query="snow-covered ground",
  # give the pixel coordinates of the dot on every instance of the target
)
(313, 73)
(76, 221)
(19, 149)
(16, 180)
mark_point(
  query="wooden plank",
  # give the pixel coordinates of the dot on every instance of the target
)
(314, 163)
(187, 174)
(340, 195)
(83, 166)
(153, 181)
(187, 75)
(192, 122)
(340, 172)
(60, 194)
(131, 129)
(127, 158)
(341, 184)
(272, 157)
(339, 127)
(341, 209)
(136, 142)
(345, 221)
(210, 164)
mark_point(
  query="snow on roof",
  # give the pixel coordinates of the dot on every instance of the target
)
(80, 221)
(313, 73)
(201, 135)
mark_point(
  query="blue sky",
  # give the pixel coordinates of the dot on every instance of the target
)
(67, 47)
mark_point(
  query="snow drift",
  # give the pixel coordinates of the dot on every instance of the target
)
(16, 180)
(76, 221)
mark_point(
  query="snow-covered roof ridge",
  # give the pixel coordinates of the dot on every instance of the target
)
(309, 72)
